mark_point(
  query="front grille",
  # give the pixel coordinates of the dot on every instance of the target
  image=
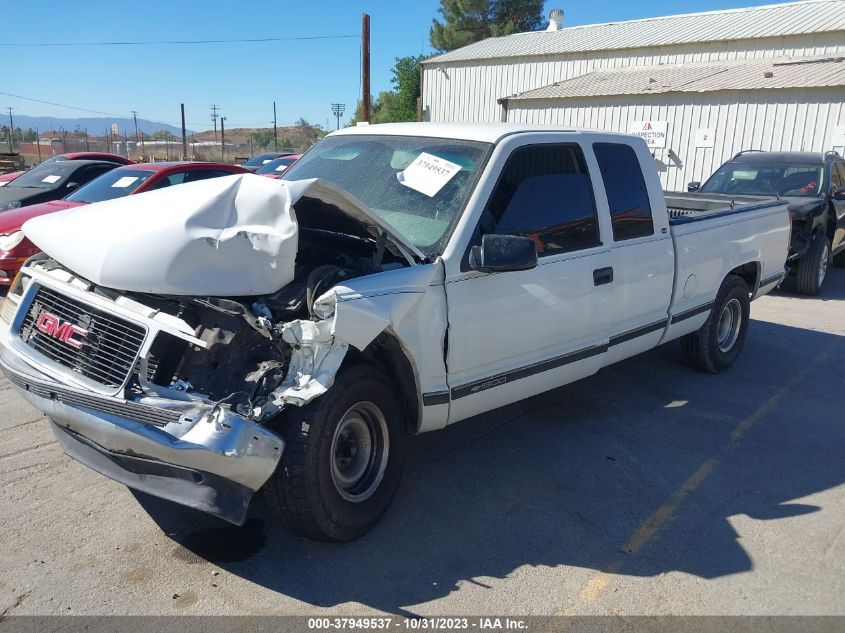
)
(108, 351)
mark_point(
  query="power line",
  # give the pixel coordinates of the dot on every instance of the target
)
(127, 116)
(186, 42)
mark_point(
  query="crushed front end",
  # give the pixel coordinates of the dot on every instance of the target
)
(91, 362)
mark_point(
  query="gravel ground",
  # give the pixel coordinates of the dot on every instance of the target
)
(646, 489)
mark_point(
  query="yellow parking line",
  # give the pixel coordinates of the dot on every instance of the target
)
(661, 517)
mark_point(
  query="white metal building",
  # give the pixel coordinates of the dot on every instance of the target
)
(701, 86)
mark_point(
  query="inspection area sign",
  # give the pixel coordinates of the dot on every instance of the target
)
(654, 132)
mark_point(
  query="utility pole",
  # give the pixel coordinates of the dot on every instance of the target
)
(38, 143)
(214, 117)
(365, 67)
(222, 139)
(108, 140)
(125, 143)
(184, 135)
(87, 147)
(338, 109)
(64, 140)
(275, 131)
(11, 132)
(137, 141)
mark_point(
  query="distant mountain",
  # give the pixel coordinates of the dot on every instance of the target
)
(96, 125)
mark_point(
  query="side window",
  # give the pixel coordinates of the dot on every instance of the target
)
(89, 173)
(544, 192)
(205, 174)
(838, 170)
(173, 179)
(630, 209)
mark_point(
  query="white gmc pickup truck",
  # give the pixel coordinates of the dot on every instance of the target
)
(202, 342)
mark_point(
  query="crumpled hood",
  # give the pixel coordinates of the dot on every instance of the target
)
(230, 236)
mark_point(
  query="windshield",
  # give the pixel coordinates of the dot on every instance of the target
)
(767, 179)
(419, 185)
(258, 161)
(45, 176)
(276, 166)
(113, 184)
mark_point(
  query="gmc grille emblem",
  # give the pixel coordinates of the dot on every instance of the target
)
(66, 332)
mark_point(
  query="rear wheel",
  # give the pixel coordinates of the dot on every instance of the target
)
(343, 460)
(812, 268)
(717, 344)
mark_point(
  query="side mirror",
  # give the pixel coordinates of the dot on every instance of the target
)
(503, 253)
(839, 194)
(693, 186)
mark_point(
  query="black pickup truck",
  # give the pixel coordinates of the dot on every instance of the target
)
(813, 184)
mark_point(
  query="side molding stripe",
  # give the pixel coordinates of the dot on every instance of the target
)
(432, 399)
(641, 331)
(683, 316)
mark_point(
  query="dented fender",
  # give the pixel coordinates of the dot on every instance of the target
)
(355, 314)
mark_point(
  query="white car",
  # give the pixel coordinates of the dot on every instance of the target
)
(202, 342)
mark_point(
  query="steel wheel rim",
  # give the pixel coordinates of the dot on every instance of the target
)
(730, 322)
(823, 264)
(359, 451)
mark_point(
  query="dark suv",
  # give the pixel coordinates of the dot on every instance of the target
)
(814, 185)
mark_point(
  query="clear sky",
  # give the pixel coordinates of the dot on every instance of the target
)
(303, 77)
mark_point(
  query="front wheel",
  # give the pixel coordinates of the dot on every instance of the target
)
(344, 458)
(812, 268)
(717, 344)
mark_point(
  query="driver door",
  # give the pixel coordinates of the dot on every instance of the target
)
(515, 334)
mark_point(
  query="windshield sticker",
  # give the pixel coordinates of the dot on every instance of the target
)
(124, 182)
(428, 174)
(51, 179)
(281, 167)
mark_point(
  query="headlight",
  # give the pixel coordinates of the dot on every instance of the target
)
(324, 306)
(14, 204)
(8, 242)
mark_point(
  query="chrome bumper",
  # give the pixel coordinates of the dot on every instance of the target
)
(189, 453)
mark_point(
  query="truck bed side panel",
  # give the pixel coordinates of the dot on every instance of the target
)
(706, 250)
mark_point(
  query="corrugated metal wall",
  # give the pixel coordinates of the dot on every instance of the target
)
(468, 91)
(792, 119)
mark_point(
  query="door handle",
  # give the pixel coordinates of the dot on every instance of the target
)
(602, 276)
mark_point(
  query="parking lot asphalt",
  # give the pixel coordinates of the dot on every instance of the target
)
(649, 488)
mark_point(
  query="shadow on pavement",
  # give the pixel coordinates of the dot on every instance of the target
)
(568, 477)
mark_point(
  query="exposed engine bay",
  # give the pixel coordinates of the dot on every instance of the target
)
(261, 352)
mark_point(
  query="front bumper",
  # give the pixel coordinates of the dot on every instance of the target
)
(191, 453)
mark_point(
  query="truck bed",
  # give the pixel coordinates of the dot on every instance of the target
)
(685, 207)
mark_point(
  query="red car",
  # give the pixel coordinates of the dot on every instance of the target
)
(113, 158)
(277, 167)
(123, 181)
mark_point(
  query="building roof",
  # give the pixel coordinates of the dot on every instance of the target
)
(776, 20)
(768, 74)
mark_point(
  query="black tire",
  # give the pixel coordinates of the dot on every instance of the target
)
(305, 491)
(707, 349)
(812, 268)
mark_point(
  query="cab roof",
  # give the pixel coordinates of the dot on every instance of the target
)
(482, 132)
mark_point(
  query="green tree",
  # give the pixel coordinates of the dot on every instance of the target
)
(401, 104)
(164, 135)
(468, 21)
(262, 139)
